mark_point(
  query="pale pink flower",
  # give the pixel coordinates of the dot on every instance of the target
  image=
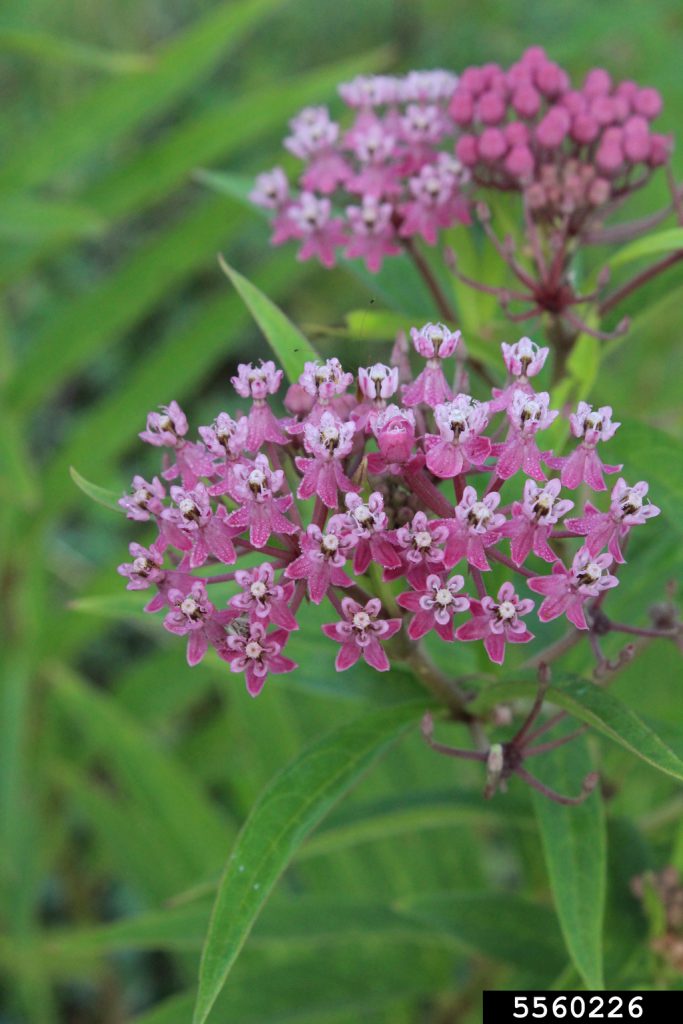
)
(324, 553)
(260, 511)
(524, 359)
(527, 415)
(420, 546)
(271, 189)
(459, 445)
(567, 590)
(607, 529)
(258, 654)
(584, 463)
(206, 531)
(167, 429)
(474, 527)
(373, 235)
(258, 383)
(360, 633)
(498, 622)
(320, 233)
(394, 429)
(367, 523)
(193, 615)
(226, 438)
(434, 605)
(367, 91)
(145, 501)
(533, 519)
(436, 203)
(262, 599)
(376, 384)
(328, 442)
(145, 569)
(433, 342)
(324, 381)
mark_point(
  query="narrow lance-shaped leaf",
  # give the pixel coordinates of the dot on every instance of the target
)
(99, 494)
(670, 240)
(290, 346)
(596, 707)
(575, 848)
(293, 804)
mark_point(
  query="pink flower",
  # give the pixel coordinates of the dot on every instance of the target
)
(458, 445)
(262, 599)
(255, 488)
(498, 622)
(258, 383)
(271, 189)
(376, 384)
(394, 429)
(227, 439)
(434, 605)
(567, 590)
(420, 544)
(323, 556)
(367, 91)
(608, 529)
(360, 634)
(320, 233)
(167, 429)
(527, 415)
(367, 524)
(475, 527)
(436, 203)
(144, 570)
(206, 532)
(373, 235)
(326, 380)
(433, 342)
(584, 464)
(533, 519)
(258, 654)
(328, 442)
(146, 500)
(192, 615)
(524, 359)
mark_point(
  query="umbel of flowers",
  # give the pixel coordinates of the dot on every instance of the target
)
(383, 501)
(415, 152)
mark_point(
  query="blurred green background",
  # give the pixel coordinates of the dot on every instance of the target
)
(124, 776)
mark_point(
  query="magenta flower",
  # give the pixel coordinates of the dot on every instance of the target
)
(584, 464)
(435, 202)
(498, 622)
(475, 527)
(367, 523)
(527, 415)
(192, 615)
(323, 556)
(434, 605)
(262, 599)
(145, 569)
(271, 189)
(260, 511)
(313, 138)
(394, 429)
(206, 532)
(375, 147)
(420, 546)
(226, 439)
(360, 633)
(320, 388)
(258, 383)
(433, 342)
(320, 233)
(328, 442)
(376, 384)
(146, 499)
(458, 446)
(373, 235)
(567, 590)
(533, 519)
(258, 654)
(167, 429)
(524, 359)
(608, 529)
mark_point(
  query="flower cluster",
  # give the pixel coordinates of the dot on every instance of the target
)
(569, 150)
(346, 500)
(388, 176)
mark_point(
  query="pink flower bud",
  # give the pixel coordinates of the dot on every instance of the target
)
(395, 433)
(598, 82)
(516, 133)
(584, 128)
(520, 162)
(526, 101)
(491, 108)
(599, 192)
(551, 79)
(462, 107)
(660, 149)
(648, 102)
(466, 150)
(492, 145)
(552, 129)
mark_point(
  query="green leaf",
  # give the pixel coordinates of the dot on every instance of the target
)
(377, 325)
(290, 807)
(662, 241)
(24, 218)
(99, 494)
(290, 346)
(575, 848)
(502, 926)
(597, 707)
(49, 49)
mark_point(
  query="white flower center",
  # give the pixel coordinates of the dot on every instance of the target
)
(141, 564)
(257, 479)
(361, 621)
(141, 496)
(189, 607)
(631, 502)
(423, 539)
(258, 589)
(479, 514)
(531, 411)
(330, 542)
(253, 649)
(363, 515)
(188, 508)
(443, 597)
(506, 610)
(593, 422)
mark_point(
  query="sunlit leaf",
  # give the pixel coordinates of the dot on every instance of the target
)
(99, 494)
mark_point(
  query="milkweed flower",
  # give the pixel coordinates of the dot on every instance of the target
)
(567, 590)
(498, 622)
(628, 508)
(360, 634)
(434, 605)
